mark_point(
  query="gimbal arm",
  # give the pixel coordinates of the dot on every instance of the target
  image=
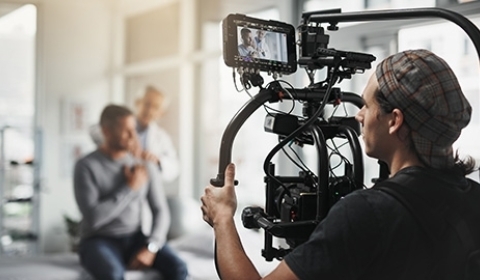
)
(251, 106)
(469, 28)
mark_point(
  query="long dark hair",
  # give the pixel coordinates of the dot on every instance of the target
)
(464, 166)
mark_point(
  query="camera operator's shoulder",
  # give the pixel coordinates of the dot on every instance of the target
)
(369, 217)
(373, 197)
(372, 202)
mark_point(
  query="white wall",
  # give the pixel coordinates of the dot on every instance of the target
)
(74, 64)
(75, 54)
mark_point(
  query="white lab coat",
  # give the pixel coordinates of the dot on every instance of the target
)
(160, 144)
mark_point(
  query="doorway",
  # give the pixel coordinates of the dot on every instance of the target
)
(19, 203)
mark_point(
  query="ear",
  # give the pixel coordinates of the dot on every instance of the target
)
(396, 121)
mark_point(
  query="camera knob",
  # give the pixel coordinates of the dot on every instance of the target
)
(248, 217)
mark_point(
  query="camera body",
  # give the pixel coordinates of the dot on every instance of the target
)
(294, 205)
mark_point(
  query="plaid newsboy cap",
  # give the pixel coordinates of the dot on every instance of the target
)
(426, 90)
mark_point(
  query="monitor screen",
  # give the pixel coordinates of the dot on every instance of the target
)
(261, 44)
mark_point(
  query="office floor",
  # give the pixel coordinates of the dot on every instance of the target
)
(195, 249)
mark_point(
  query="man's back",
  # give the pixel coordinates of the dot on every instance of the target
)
(368, 235)
(445, 206)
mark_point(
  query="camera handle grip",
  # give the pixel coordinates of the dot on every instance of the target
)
(220, 180)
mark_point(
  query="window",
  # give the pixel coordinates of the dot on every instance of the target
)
(452, 44)
(18, 202)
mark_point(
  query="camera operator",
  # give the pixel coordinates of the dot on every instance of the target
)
(414, 110)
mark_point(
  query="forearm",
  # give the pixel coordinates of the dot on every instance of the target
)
(160, 226)
(233, 263)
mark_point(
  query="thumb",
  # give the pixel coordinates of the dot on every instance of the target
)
(230, 175)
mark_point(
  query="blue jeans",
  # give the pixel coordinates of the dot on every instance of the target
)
(106, 258)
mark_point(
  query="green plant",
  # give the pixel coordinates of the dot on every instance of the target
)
(73, 230)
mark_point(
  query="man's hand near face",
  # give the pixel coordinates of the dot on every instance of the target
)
(148, 156)
(137, 151)
(136, 176)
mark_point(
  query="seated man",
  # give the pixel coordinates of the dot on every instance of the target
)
(155, 144)
(247, 47)
(110, 188)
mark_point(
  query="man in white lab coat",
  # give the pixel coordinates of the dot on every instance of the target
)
(154, 142)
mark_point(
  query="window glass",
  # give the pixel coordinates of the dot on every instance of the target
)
(389, 4)
(17, 90)
(358, 5)
(19, 206)
(451, 43)
(345, 5)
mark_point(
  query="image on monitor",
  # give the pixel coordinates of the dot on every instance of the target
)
(262, 44)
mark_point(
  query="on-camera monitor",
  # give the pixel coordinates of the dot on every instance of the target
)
(262, 44)
(258, 44)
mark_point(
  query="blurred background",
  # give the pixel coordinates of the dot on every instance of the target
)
(62, 61)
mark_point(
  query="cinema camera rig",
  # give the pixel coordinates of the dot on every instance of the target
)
(295, 205)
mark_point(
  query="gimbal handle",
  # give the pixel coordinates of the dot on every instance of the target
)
(232, 128)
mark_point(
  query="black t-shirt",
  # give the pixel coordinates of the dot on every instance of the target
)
(367, 235)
